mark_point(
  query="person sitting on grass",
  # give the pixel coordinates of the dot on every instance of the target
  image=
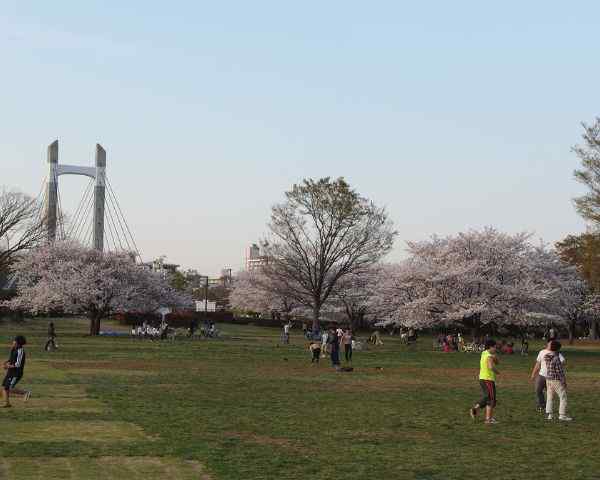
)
(51, 343)
(375, 338)
(315, 349)
(15, 366)
(524, 346)
(487, 381)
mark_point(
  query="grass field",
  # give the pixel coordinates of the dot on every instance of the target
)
(243, 407)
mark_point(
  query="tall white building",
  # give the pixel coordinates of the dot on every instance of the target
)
(254, 260)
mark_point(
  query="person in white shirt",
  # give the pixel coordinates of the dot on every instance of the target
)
(286, 333)
(324, 338)
(538, 376)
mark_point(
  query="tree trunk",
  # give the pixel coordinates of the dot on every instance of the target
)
(475, 327)
(571, 329)
(594, 329)
(316, 327)
(94, 325)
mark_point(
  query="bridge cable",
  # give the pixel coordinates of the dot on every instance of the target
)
(61, 213)
(123, 217)
(110, 204)
(122, 224)
(81, 227)
(79, 209)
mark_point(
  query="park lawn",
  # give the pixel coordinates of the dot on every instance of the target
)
(245, 407)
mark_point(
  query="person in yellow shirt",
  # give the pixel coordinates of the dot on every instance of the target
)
(487, 381)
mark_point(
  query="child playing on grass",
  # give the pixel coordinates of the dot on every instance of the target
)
(14, 371)
(487, 381)
(315, 349)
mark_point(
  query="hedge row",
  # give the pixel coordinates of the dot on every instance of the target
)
(178, 319)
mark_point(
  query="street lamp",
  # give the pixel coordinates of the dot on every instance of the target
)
(205, 277)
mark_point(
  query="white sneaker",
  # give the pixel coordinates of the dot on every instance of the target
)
(27, 395)
(550, 417)
(491, 421)
(565, 418)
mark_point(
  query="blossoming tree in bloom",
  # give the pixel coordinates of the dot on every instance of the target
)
(399, 287)
(255, 292)
(569, 301)
(473, 278)
(67, 277)
(355, 296)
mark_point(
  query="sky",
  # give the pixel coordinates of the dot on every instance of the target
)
(454, 115)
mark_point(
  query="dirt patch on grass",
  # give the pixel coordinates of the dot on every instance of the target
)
(103, 468)
(62, 431)
(109, 365)
(62, 404)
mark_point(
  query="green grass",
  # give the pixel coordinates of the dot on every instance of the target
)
(243, 407)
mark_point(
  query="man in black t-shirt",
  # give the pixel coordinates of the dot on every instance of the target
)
(14, 367)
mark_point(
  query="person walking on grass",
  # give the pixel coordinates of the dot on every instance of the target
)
(51, 338)
(538, 376)
(14, 367)
(556, 383)
(324, 341)
(286, 333)
(487, 381)
(347, 342)
(334, 349)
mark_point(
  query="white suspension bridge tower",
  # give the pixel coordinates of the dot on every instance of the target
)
(98, 221)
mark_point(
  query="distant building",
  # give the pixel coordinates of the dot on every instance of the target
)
(161, 267)
(208, 306)
(254, 260)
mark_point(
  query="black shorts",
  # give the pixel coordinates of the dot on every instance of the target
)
(10, 381)
(489, 393)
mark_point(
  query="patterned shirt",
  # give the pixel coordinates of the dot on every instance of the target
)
(555, 370)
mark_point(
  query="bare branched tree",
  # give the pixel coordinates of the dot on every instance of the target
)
(321, 233)
(22, 225)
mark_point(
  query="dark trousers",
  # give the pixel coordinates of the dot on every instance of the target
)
(316, 355)
(348, 352)
(540, 387)
(488, 390)
(335, 357)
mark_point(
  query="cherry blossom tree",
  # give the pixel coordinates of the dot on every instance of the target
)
(254, 291)
(473, 279)
(566, 304)
(67, 277)
(399, 288)
(355, 296)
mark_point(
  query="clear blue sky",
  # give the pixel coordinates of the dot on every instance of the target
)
(455, 114)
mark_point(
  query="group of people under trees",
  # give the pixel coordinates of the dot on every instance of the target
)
(456, 343)
(164, 331)
(548, 375)
(330, 343)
